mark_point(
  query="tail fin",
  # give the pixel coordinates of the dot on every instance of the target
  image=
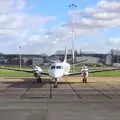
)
(65, 58)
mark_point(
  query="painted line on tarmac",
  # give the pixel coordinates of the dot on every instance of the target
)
(74, 91)
(100, 91)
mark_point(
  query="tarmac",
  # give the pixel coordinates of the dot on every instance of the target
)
(23, 99)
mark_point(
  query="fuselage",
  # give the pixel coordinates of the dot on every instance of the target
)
(57, 70)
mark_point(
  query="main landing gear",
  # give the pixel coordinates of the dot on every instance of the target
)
(84, 77)
(56, 83)
(84, 80)
(39, 80)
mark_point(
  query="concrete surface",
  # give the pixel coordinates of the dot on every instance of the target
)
(99, 99)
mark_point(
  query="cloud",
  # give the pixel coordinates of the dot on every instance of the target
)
(104, 14)
(21, 4)
(109, 5)
(8, 6)
(28, 30)
(104, 46)
(19, 27)
(114, 41)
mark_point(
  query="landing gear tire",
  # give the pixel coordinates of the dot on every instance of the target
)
(39, 80)
(84, 80)
(56, 84)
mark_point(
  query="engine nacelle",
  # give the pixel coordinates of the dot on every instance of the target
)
(37, 71)
(37, 68)
(36, 74)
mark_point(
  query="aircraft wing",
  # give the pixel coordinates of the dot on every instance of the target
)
(93, 71)
(23, 70)
(74, 73)
(103, 70)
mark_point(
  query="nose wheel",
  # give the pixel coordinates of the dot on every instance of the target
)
(56, 83)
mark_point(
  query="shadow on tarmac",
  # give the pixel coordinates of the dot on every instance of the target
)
(30, 82)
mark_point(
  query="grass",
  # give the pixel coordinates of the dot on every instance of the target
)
(11, 73)
(113, 73)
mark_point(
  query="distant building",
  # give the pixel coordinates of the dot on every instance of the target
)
(115, 53)
(116, 64)
(26, 59)
(108, 60)
(88, 59)
(37, 61)
(3, 60)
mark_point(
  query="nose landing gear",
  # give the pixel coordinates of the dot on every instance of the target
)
(56, 83)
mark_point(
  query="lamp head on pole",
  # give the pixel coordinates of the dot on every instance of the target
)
(72, 5)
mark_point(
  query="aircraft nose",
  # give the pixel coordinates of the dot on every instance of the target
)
(56, 75)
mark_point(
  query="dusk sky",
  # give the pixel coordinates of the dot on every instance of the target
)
(44, 26)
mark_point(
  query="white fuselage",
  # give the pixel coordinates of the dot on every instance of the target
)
(57, 70)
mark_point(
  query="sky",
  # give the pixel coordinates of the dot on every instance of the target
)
(45, 26)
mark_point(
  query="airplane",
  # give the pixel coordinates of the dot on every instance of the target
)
(57, 70)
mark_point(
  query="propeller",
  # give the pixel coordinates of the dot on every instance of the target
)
(37, 68)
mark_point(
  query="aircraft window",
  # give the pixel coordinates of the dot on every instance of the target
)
(52, 67)
(58, 67)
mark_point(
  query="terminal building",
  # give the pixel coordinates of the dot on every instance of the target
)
(14, 59)
(111, 59)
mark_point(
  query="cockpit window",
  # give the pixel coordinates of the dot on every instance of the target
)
(52, 67)
(58, 67)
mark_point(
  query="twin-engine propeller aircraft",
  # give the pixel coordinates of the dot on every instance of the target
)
(57, 70)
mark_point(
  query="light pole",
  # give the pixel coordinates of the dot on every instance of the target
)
(74, 36)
